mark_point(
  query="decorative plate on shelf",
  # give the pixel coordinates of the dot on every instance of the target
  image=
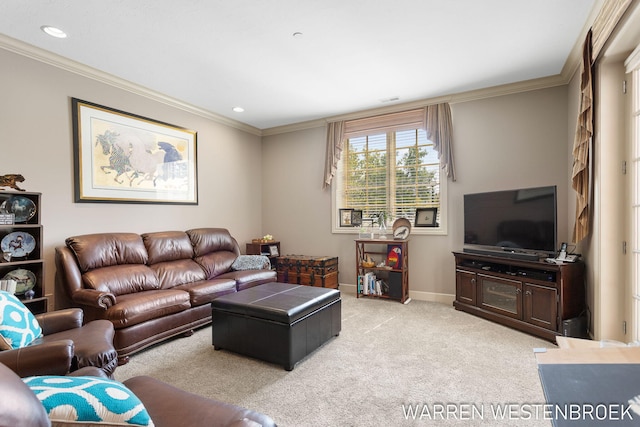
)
(19, 244)
(401, 228)
(23, 208)
(25, 280)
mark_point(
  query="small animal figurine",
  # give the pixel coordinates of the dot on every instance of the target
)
(11, 180)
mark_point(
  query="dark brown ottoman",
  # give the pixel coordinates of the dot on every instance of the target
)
(276, 322)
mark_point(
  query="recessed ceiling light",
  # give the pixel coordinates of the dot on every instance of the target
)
(298, 35)
(238, 109)
(53, 31)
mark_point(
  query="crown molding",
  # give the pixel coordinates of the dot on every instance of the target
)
(474, 95)
(572, 64)
(294, 127)
(632, 62)
(569, 69)
(58, 61)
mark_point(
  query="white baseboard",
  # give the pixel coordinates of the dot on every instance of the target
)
(416, 295)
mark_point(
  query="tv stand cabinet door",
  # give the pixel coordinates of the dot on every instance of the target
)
(502, 296)
(541, 306)
(466, 291)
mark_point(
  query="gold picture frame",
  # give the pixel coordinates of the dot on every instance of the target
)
(121, 157)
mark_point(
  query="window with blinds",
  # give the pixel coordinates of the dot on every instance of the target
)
(392, 173)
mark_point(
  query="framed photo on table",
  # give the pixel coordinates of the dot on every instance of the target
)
(350, 217)
(345, 217)
(121, 157)
(273, 250)
(426, 217)
(356, 217)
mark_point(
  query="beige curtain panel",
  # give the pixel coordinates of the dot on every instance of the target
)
(439, 127)
(335, 144)
(435, 119)
(582, 146)
(603, 26)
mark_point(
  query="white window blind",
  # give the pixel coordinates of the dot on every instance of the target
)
(393, 172)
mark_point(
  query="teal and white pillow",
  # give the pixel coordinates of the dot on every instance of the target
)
(88, 400)
(18, 326)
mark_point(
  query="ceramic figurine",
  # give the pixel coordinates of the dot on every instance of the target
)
(11, 181)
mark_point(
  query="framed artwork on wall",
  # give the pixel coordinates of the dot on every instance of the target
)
(121, 157)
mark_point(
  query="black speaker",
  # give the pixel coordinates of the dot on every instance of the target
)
(395, 284)
(575, 327)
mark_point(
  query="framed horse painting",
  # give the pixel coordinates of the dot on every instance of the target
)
(125, 158)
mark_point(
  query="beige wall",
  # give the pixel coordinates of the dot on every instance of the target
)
(509, 141)
(36, 141)
(504, 142)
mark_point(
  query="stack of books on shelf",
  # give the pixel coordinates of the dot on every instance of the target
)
(369, 284)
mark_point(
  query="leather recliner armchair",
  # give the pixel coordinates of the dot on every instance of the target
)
(65, 346)
(167, 405)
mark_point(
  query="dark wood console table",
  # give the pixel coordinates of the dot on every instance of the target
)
(534, 297)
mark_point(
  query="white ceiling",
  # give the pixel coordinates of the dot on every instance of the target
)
(353, 54)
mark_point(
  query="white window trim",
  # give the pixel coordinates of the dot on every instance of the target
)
(632, 65)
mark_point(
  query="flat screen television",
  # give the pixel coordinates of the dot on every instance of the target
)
(519, 223)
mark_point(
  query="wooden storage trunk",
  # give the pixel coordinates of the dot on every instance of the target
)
(308, 270)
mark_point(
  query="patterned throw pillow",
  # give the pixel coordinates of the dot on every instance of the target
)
(251, 262)
(88, 401)
(18, 326)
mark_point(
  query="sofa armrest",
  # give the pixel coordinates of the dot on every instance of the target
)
(19, 406)
(60, 320)
(170, 406)
(68, 275)
(50, 358)
(93, 298)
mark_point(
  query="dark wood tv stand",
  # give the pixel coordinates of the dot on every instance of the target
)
(532, 296)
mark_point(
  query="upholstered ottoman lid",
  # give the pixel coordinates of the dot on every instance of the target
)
(280, 302)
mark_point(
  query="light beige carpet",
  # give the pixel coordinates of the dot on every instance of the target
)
(454, 369)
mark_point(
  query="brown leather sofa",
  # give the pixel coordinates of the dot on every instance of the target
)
(151, 286)
(167, 406)
(66, 344)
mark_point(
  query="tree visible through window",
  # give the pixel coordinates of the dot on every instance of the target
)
(392, 173)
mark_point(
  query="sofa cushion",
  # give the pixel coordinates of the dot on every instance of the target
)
(249, 278)
(18, 326)
(167, 246)
(121, 279)
(88, 401)
(207, 240)
(106, 249)
(179, 272)
(216, 263)
(131, 309)
(207, 290)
